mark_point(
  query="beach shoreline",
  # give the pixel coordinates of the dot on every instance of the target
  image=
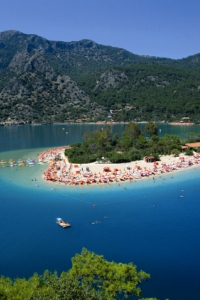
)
(61, 172)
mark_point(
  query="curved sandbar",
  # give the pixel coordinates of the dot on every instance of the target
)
(61, 171)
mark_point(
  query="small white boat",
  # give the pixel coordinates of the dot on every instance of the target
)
(62, 223)
(31, 162)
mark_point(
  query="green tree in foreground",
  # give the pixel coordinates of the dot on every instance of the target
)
(47, 287)
(90, 278)
(110, 278)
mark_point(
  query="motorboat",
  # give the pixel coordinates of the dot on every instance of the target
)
(62, 223)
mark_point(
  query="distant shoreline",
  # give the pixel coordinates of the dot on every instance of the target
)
(181, 124)
(100, 123)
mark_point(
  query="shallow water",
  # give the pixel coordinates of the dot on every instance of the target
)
(161, 239)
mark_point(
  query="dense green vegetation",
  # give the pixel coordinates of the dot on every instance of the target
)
(102, 146)
(90, 278)
(35, 86)
(154, 92)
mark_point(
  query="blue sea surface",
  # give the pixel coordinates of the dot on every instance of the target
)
(153, 223)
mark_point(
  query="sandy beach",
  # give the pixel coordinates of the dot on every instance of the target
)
(62, 172)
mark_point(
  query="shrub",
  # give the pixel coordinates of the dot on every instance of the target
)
(189, 152)
(119, 158)
(175, 152)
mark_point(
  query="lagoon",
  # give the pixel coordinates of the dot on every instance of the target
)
(39, 136)
(163, 240)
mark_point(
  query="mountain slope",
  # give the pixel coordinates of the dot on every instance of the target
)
(146, 91)
(73, 58)
(44, 81)
(36, 93)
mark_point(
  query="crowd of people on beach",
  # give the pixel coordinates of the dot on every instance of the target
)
(61, 171)
(51, 154)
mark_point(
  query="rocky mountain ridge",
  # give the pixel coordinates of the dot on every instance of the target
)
(37, 94)
(44, 81)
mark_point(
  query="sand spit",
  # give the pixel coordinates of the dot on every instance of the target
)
(61, 171)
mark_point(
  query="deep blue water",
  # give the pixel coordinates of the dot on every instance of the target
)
(163, 240)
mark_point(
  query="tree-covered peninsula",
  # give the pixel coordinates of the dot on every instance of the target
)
(90, 278)
(102, 146)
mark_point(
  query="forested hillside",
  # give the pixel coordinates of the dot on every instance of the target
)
(44, 81)
(145, 92)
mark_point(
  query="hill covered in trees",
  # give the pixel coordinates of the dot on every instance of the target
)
(146, 92)
(44, 81)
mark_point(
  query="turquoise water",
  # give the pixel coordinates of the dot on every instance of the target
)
(163, 240)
